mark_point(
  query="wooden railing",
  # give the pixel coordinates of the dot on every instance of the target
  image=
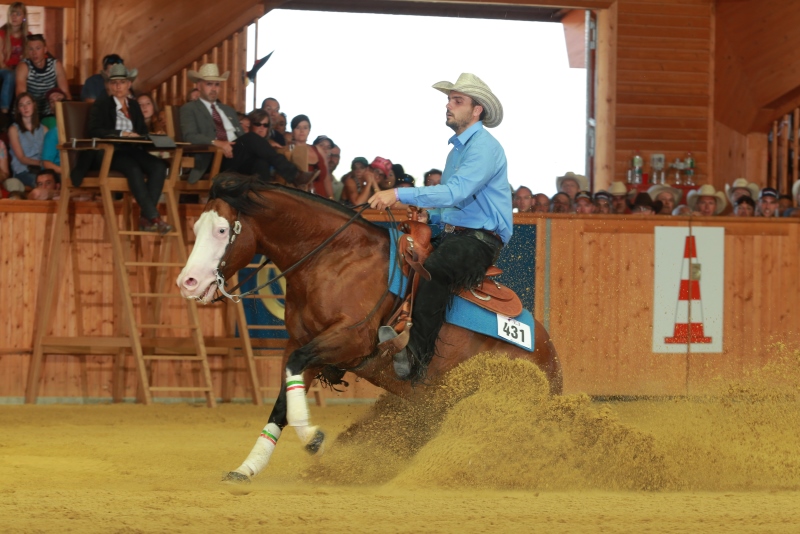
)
(783, 152)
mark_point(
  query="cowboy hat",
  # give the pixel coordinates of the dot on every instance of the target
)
(658, 189)
(118, 71)
(473, 87)
(707, 190)
(796, 189)
(618, 189)
(583, 183)
(207, 73)
(741, 183)
(644, 200)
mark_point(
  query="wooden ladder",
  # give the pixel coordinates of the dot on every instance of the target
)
(139, 334)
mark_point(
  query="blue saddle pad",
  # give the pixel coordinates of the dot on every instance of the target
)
(517, 331)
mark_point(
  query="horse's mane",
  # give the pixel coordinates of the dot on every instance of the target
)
(234, 189)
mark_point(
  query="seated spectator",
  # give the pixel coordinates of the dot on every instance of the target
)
(301, 128)
(644, 205)
(53, 95)
(119, 115)
(560, 203)
(683, 209)
(619, 203)
(768, 202)
(13, 41)
(739, 187)
(745, 207)
(706, 201)
(244, 121)
(155, 119)
(39, 73)
(335, 157)
(541, 203)
(669, 197)
(26, 137)
(95, 85)
(523, 199)
(51, 157)
(207, 121)
(191, 96)
(794, 212)
(357, 185)
(784, 204)
(583, 203)
(603, 202)
(5, 172)
(571, 183)
(432, 177)
(47, 188)
(258, 119)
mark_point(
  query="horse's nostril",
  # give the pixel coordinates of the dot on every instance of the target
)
(190, 282)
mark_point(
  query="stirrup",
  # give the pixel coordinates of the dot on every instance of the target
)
(402, 363)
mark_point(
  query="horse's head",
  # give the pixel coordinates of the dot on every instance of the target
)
(223, 245)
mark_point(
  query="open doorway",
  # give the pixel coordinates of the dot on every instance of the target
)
(365, 81)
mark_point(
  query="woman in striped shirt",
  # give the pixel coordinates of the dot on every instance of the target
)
(40, 73)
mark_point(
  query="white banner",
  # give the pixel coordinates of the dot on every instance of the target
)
(689, 284)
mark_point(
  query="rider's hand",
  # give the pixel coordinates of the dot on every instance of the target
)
(382, 199)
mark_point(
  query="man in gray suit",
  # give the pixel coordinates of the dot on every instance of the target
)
(206, 121)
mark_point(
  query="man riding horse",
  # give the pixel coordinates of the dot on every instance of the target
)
(473, 210)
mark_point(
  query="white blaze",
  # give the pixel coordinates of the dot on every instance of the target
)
(212, 234)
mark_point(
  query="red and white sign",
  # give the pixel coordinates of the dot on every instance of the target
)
(688, 297)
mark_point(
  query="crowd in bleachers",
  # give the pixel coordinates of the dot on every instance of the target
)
(262, 142)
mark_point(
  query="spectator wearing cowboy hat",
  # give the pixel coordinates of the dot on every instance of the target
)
(603, 202)
(739, 187)
(206, 121)
(745, 207)
(683, 209)
(619, 201)
(643, 204)
(706, 201)
(571, 183)
(119, 115)
(669, 197)
(768, 202)
(476, 214)
(583, 203)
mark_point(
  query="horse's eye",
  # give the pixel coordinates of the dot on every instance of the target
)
(222, 230)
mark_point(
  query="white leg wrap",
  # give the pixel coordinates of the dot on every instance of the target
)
(259, 457)
(297, 407)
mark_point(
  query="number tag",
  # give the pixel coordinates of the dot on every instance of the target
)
(514, 331)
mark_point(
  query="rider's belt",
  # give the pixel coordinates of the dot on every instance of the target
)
(490, 238)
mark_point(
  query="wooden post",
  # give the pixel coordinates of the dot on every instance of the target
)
(783, 174)
(795, 144)
(773, 152)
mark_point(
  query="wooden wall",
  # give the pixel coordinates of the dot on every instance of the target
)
(594, 278)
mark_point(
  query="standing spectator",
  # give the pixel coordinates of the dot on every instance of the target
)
(155, 120)
(706, 201)
(768, 202)
(784, 204)
(618, 192)
(335, 157)
(541, 203)
(324, 146)
(301, 128)
(382, 171)
(644, 205)
(26, 137)
(739, 187)
(745, 207)
(273, 109)
(523, 199)
(119, 115)
(13, 41)
(583, 203)
(669, 197)
(571, 183)
(357, 184)
(602, 202)
(279, 132)
(40, 73)
(560, 203)
(95, 85)
(433, 177)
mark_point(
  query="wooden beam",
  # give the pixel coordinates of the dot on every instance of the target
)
(606, 98)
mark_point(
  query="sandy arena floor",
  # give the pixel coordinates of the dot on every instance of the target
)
(489, 452)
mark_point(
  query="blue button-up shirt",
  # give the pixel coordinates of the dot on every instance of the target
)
(474, 192)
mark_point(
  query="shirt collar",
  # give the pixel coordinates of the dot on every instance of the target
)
(207, 104)
(460, 140)
(118, 102)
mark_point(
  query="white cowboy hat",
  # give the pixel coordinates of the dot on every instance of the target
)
(707, 190)
(656, 190)
(14, 185)
(207, 73)
(618, 189)
(583, 183)
(741, 183)
(795, 190)
(118, 71)
(472, 86)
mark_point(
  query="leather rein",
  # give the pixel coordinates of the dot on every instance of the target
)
(236, 229)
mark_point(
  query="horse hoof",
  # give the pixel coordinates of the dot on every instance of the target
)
(234, 477)
(315, 445)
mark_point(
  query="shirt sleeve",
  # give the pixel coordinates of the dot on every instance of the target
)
(473, 172)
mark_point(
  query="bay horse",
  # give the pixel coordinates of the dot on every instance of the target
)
(334, 303)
